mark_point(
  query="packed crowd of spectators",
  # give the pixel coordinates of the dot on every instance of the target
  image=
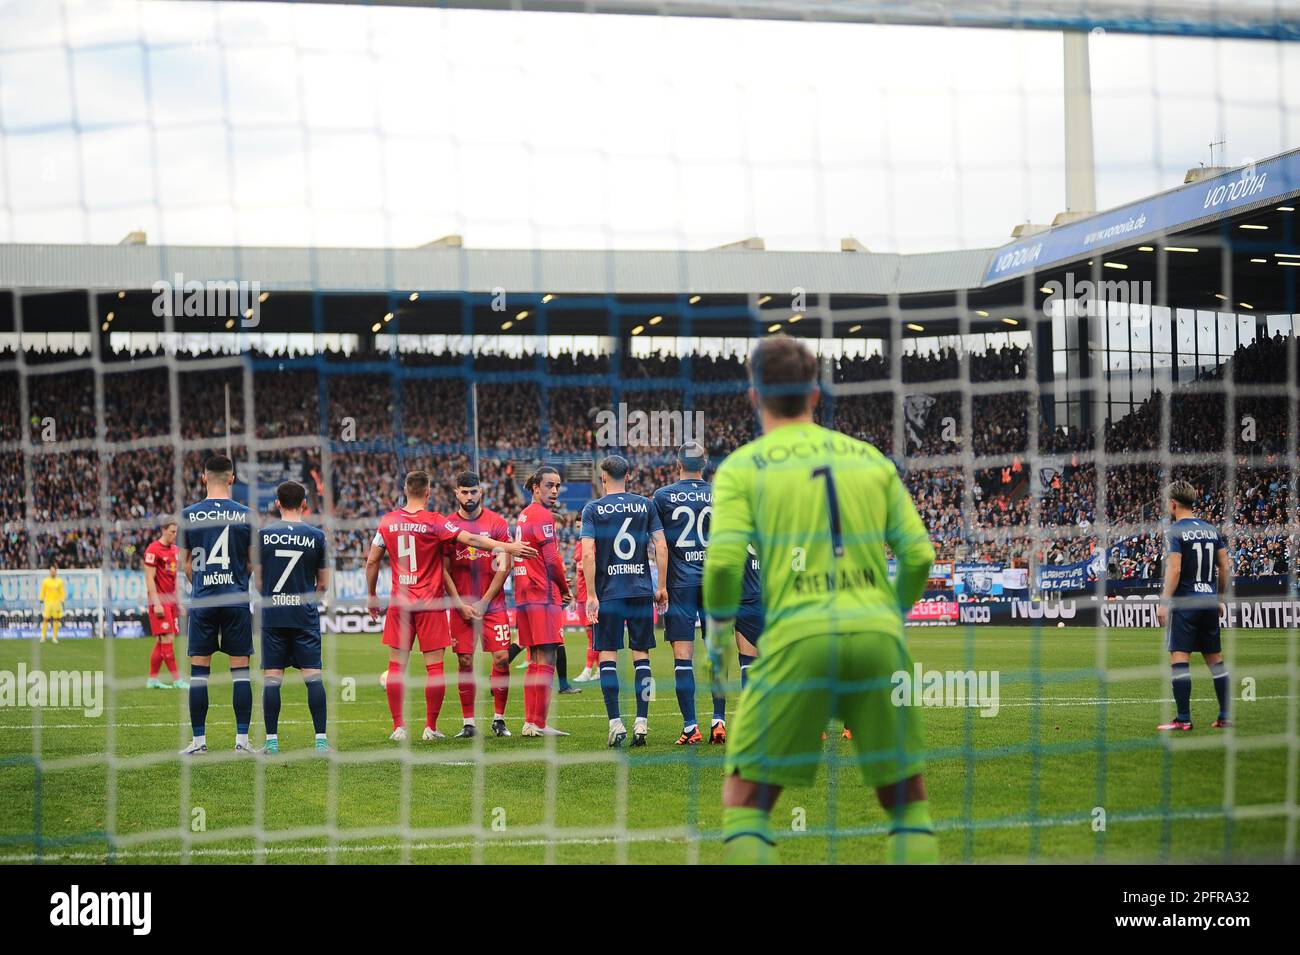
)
(420, 413)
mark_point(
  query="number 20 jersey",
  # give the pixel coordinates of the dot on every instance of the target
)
(685, 509)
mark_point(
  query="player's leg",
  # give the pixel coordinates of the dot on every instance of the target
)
(435, 690)
(399, 635)
(679, 632)
(640, 618)
(155, 665)
(237, 642)
(542, 672)
(1211, 647)
(562, 662)
(607, 639)
(202, 644)
(888, 741)
(56, 618)
(746, 823)
(463, 638)
(272, 680)
(1181, 679)
(168, 645)
(773, 743)
(530, 619)
(496, 641)
(1181, 643)
(45, 624)
(307, 658)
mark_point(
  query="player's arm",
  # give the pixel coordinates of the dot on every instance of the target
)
(661, 562)
(513, 548)
(555, 569)
(151, 588)
(1225, 574)
(372, 578)
(498, 583)
(908, 539)
(589, 575)
(724, 561)
(1173, 571)
(456, 602)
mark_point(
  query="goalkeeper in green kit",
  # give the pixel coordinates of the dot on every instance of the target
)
(818, 508)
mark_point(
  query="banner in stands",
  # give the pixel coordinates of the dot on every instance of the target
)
(977, 580)
(1071, 576)
(1248, 613)
(934, 612)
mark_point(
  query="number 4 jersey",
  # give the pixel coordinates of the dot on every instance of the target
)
(414, 542)
(217, 534)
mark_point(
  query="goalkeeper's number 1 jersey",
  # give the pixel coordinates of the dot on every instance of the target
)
(818, 509)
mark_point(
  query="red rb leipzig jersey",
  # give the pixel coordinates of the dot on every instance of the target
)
(414, 541)
(162, 558)
(535, 577)
(471, 567)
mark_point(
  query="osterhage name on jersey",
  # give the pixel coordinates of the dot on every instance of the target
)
(1198, 543)
(685, 510)
(621, 525)
(217, 535)
(291, 556)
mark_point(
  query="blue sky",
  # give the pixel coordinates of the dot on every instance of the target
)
(288, 124)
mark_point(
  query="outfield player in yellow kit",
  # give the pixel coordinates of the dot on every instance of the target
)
(818, 508)
(52, 594)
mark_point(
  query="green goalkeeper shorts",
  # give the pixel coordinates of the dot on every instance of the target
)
(795, 691)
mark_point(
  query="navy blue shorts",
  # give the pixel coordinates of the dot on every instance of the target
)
(1194, 631)
(284, 647)
(637, 613)
(685, 607)
(227, 630)
(749, 622)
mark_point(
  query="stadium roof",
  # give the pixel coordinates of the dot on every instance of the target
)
(1250, 19)
(1227, 242)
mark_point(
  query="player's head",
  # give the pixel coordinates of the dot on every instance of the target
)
(469, 493)
(691, 459)
(1182, 497)
(416, 487)
(290, 497)
(544, 483)
(168, 535)
(54, 570)
(613, 473)
(783, 377)
(218, 473)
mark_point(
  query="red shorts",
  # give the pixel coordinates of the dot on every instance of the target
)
(429, 627)
(165, 625)
(496, 631)
(540, 624)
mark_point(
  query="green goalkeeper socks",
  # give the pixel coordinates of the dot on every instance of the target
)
(911, 837)
(747, 837)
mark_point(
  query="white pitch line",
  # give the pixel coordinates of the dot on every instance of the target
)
(1044, 702)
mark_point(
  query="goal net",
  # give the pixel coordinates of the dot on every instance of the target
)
(1045, 253)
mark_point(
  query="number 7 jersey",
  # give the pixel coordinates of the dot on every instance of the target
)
(414, 542)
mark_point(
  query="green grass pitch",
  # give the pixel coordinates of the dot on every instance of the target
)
(1026, 785)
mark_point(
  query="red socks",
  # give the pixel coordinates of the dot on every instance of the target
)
(537, 693)
(394, 691)
(465, 685)
(593, 658)
(435, 688)
(169, 658)
(500, 688)
(155, 661)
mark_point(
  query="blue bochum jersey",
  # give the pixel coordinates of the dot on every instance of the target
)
(1199, 544)
(685, 510)
(291, 553)
(751, 588)
(217, 534)
(621, 524)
